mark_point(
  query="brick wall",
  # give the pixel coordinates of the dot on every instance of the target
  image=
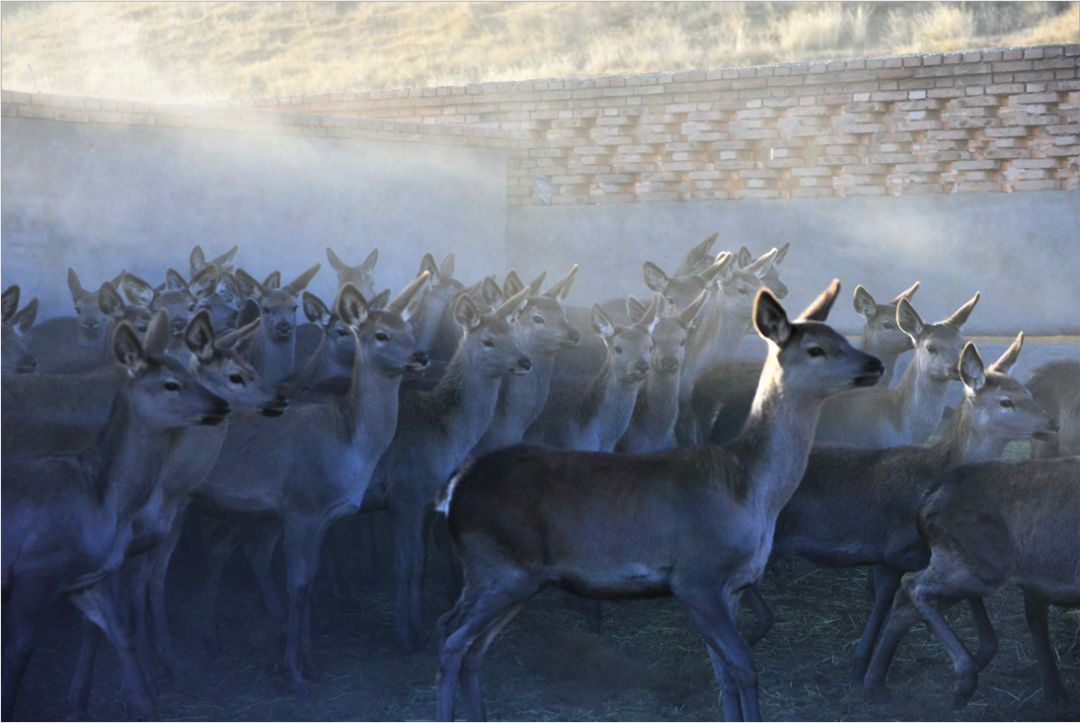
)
(998, 120)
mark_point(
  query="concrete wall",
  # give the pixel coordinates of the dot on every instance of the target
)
(1021, 250)
(102, 197)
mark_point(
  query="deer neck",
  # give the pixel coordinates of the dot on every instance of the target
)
(775, 443)
(127, 458)
(657, 406)
(371, 404)
(964, 443)
(466, 401)
(716, 337)
(276, 357)
(921, 402)
(522, 398)
(608, 406)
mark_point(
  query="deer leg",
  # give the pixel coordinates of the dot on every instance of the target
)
(763, 617)
(988, 639)
(924, 590)
(470, 667)
(408, 526)
(79, 692)
(156, 594)
(259, 551)
(96, 604)
(886, 582)
(367, 546)
(220, 551)
(729, 692)
(23, 613)
(713, 614)
(902, 617)
(1036, 610)
(474, 615)
(303, 540)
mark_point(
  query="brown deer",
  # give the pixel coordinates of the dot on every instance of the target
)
(692, 523)
(16, 323)
(1056, 388)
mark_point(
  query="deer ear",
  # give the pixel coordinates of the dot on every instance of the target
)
(490, 291)
(601, 322)
(635, 309)
(770, 319)
(971, 368)
(446, 268)
(906, 293)
(351, 307)
(300, 282)
(686, 316)
(128, 350)
(428, 264)
(697, 257)
(403, 301)
(272, 280)
(314, 309)
(1009, 357)
(655, 278)
(197, 259)
(467, 313)
(226, 257)
(908, 320)
(174, 281)
(381, 300)
(234, 337)
(652, 314)
(204, 281)
(781, 253)
(819, 308)
(744, 258)
(158, 333)
(561, 288)
(199, 336)
(74, 286)
(137, 290)
(865, 305)
(370, 261)
(512, 284)
(535, 284)
(109, 300)
(723, 267)
(763, 265)
(960, 316)
(24, 319)
(10, 302)
(335, 263)
(247, 285)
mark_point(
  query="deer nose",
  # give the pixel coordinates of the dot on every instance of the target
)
(874, 365)
(641, 366)
(277, 407)
(669, 364)
(524, 363)
(421, 358)
(26, 366)
(177, 326)
(574, 336)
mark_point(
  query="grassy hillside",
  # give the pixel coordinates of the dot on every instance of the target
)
(199, 51)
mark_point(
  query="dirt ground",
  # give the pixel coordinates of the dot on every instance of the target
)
(647, 665)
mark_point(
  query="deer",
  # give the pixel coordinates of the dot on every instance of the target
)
(197, 261)
(652, 422)
(273, 351)
(66, 516)
(16, 324)
(1056, 388)
(886, 485)
(721, 397)
(910, 412)
(359, 276)
(593, 412)
(436, 430)
(692, 523)
(314, 465)
(545, 333)
(66, 344)
(436, 329)
(137, 589)
(989, 526)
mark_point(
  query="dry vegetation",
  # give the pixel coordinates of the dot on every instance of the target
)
(200, 51)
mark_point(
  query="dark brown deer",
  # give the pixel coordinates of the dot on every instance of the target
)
(692, 523)
(990, 526)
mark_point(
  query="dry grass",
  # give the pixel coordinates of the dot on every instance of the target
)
(200, 51)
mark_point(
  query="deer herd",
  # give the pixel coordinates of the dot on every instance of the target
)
(618, 452)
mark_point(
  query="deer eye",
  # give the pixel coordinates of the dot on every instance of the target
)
(816, 351)
(931, 348)
(489, 343)
(235, 378)
(744, 291)
(191, 307)
(266, 310)
(382, 336)
(618, 350)
(345, 332)
(171, 386)
(1006, 403)
(538, 319)
(888, 325)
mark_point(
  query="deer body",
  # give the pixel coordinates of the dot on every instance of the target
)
(693, 523)
(68, 516)
(1056, 388)
(989, 526)
(910, 412)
